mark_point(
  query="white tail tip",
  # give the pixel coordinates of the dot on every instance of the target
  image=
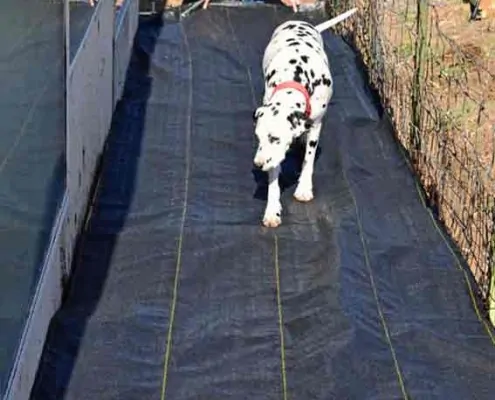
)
(334, 21)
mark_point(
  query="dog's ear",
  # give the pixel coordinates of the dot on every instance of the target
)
(296, 118)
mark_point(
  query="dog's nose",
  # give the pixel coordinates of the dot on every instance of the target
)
(263, 163)
(258, 161)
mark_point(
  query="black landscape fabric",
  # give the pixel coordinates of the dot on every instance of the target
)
(180, 293)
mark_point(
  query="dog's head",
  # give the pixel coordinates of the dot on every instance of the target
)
(275, 132)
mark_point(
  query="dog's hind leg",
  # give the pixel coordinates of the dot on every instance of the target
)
(273, 211)
(304, 189)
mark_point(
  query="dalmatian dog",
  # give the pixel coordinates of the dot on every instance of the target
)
(298, 88)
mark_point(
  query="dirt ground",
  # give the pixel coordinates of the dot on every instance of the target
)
(477, 41)
(459, 65)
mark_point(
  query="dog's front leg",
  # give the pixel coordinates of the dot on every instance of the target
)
(273, 211)
(304, 189)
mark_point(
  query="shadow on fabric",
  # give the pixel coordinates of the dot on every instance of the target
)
(291, 169)
(57, 363)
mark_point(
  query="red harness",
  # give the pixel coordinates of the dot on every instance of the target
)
(300, 88)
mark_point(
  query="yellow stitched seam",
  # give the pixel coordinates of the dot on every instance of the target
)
(277, 267)
(375, 293)
(181, 235)
(452, 251)
(459, 267)
(280, 321)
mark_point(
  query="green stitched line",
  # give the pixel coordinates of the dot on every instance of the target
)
(280, 321)
(452, 251)
(181, 236)
(375, 295)
(277, 266)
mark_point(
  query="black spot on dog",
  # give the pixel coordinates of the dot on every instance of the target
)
(306, 75)
(308, 88)
(293, 44)
(304, 58)
(297, 74)
(298, 105)
(273, 139)
(326, 81)
(313, 143)
(271, 74)
(290, 40)
(275, 112)
(309, 45)
(277, 103)
(323, 105)
(292, 61)
(312, 73)
(316, 83)
(292, 122)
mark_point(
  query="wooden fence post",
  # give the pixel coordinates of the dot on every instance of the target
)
(420, 54)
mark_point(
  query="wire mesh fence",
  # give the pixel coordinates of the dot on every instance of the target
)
(434, 71)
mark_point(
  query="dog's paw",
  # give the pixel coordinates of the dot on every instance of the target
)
(303, 194)
(272, 221)
(272, 217)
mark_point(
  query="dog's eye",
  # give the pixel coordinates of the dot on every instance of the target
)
(273, 139)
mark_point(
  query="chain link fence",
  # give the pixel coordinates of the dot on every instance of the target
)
(434, 72)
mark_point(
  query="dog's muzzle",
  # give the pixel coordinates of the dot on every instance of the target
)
(262, 163)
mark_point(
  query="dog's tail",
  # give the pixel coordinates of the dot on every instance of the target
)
(334, 21)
